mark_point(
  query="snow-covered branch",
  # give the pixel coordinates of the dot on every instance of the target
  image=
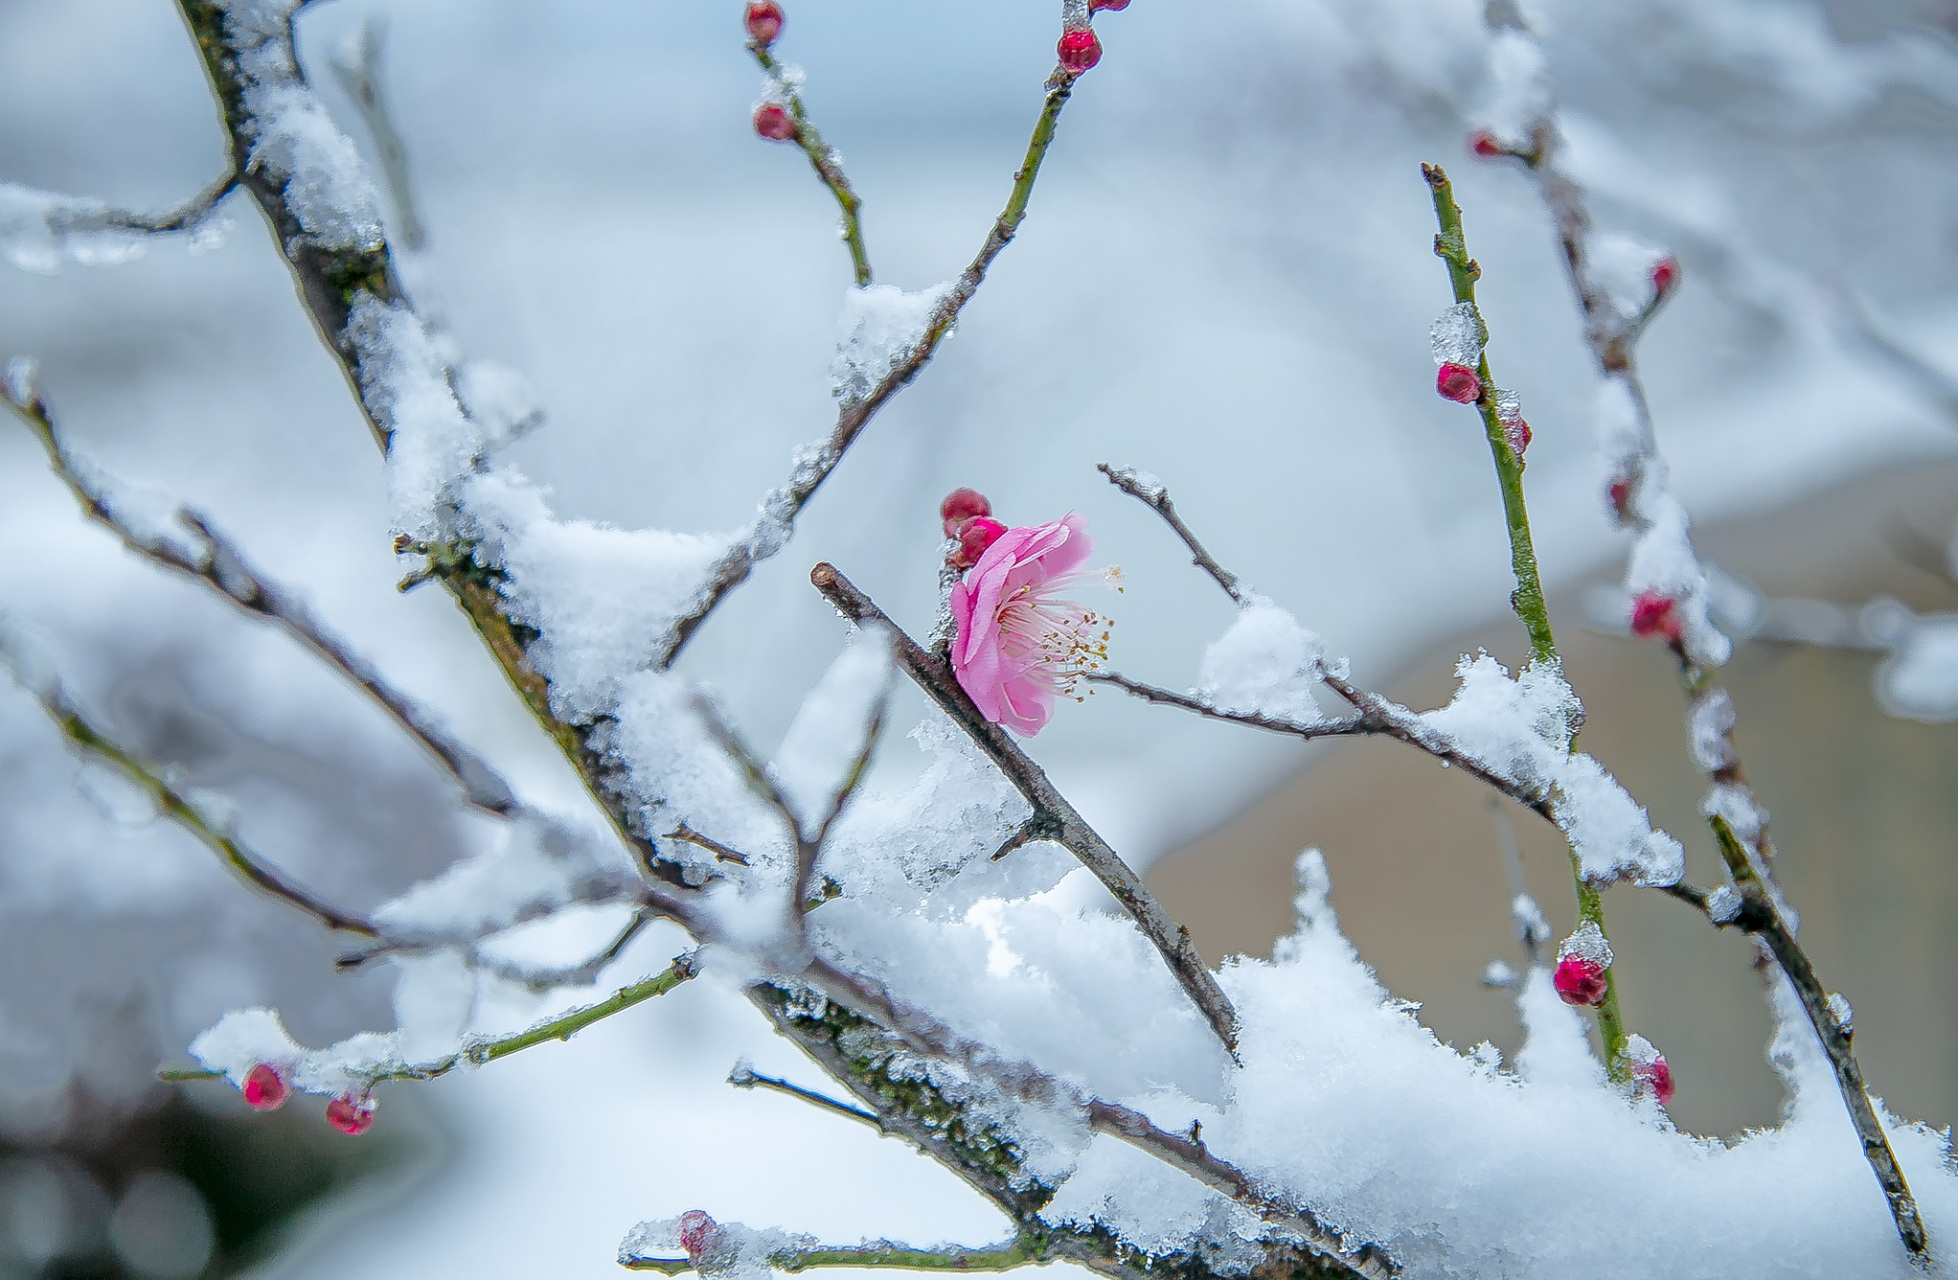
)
(144, 521)
(1050, 808)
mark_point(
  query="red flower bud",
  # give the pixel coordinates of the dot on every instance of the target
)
(961, 505)
(1655, 616)
(1518, 433)
(1657, 1076)
(1580, 981)
(1484, 144)
(700, 1235)
(773, 122)
(975, 535)
(265, 1089)
(764, 21)
(1079, 50)
(1096, 6)
(351, 1115)
(1665, 274)
(1459, 383)
(1620, 495)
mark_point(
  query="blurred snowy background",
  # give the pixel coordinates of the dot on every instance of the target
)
(1225, 280)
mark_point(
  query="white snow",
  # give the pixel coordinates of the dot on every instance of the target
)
(404, 379)
(1519, 87)
(535, 864)
(1520, 730)
(1710, 723)
(1458, 335)
(293, 137)
(41, 230)
(1919, 680)
(1265, 664)
(880, 325)
(1587, 942)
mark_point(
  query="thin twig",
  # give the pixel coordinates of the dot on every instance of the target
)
(873, 731)
(1193, 1158)
(753, 771)
(182, 810)
(1009, 1255)
(576, 975)
(480, 1052)
(746, 1077)
(1763, 919)
(720, 851)
(780, 508)
(1041, 826)
(934, 677)
(1349, 727)
(185, 217)
(357, 66)
(1527, 599)
(218, 564)
(1156, 497)
(823, 159)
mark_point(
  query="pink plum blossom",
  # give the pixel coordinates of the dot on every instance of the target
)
(1019, 643)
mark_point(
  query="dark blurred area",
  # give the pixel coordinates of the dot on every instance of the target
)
(179, 1188)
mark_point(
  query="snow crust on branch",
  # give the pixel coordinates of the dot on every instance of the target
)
(880, 325)
(294, 139)
(41, 230)
(244, 1038)
(1663, 560)
(1265, 664)
(1520, 730)
(537, 865)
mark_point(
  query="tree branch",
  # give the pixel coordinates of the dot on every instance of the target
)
(1152, 494)
(1009, 1255)
(823, 159)
(1613, 342)
(781, 507)
(746, 1077)
(1190, 1156)
(357, 66)
(480, 1052)
(1527, 599)
(185, 812)
(1762, 919)
(934, 677)
(218, 563)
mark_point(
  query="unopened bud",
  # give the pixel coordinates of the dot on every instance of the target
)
(764, 21)
(264, 1088)
(1665, 274)
(700, 1235)
(975, 535)
(773, 122)
(1458, 382)
(1079, 49)
(1655, 616)
(351, 1115)
(961, 505)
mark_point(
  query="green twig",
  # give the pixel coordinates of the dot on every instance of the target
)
(1527, 599)
(822, 158)
(1024, 1251)
(479, 1052)
(855, 414)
